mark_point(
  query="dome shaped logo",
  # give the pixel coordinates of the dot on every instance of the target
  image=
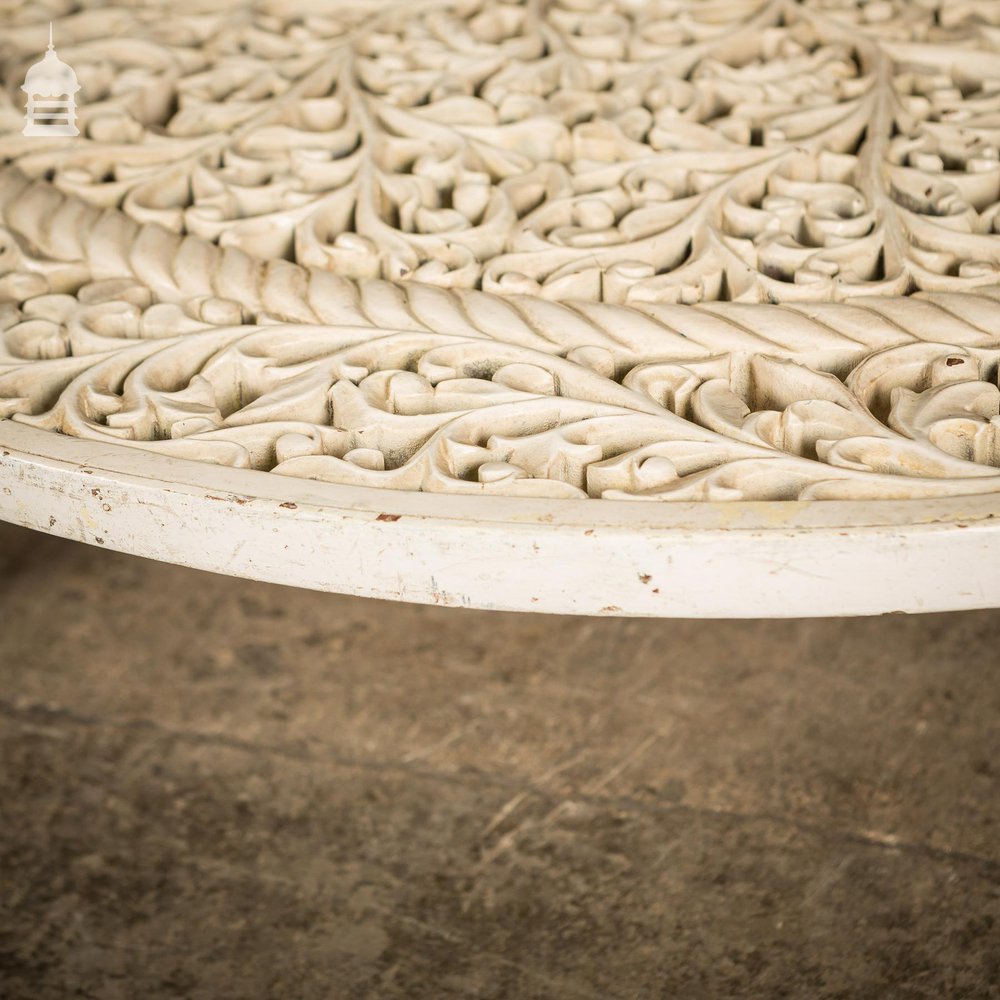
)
(51, 87)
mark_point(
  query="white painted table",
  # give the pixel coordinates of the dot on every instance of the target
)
(658, 309)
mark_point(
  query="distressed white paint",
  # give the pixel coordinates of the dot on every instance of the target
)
(613, 558)
(505, 271)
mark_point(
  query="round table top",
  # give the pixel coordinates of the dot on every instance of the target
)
(640, 311)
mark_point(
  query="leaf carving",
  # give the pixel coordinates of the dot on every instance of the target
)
(745, 251)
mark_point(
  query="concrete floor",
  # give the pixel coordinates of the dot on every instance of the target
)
(218, 789)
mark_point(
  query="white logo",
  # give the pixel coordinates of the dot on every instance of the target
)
(51, 87)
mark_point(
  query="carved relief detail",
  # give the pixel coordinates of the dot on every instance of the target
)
(714, 251)
(616, 151)
(173, 344)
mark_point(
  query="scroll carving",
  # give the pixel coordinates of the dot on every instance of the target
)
(666, 151)
(652, 251)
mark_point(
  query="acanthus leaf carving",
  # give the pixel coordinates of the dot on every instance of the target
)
(664, 251)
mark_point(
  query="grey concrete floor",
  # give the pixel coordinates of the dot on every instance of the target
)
(219, 789)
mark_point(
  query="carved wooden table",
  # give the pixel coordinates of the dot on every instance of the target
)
(665, 308)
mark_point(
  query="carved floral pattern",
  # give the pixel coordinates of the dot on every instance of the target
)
(620, 151)
(666, 250)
